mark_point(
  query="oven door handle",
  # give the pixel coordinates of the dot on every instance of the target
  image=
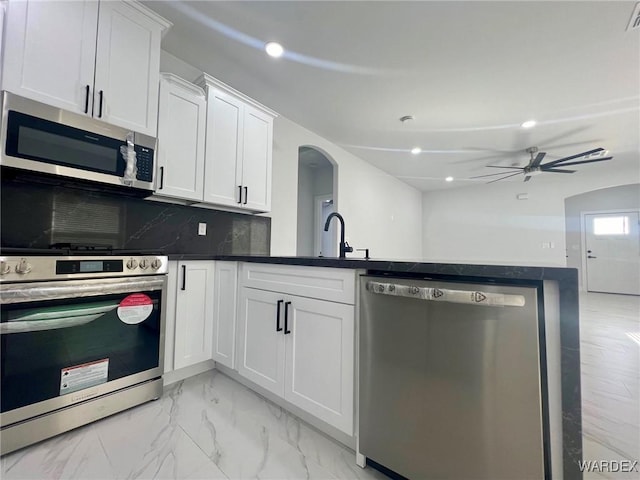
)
(52, 320)
(36, 291)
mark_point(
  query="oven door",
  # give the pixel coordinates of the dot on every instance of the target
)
(64, 342)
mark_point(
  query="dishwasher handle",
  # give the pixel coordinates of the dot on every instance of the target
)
(470, 297)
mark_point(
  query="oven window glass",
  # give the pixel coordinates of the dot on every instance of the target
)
(90, 341)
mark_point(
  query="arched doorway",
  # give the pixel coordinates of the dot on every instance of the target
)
(316, 200)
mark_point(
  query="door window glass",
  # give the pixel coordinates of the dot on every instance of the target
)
(611, 225)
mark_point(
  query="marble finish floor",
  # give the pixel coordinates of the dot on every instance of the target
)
(211, 427)
(610, 377)
(206, 427)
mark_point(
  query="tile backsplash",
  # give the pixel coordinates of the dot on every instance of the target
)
(38, 215)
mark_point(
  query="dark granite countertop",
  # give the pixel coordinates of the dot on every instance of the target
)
(516, 272)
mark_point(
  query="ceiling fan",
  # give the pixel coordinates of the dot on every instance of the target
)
(536, 166)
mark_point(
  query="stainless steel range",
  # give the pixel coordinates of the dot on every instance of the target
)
(81, 338)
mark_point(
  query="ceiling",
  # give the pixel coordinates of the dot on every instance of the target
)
(470, 72)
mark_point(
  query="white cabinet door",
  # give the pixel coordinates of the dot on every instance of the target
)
(50, 52)
(319, 374)
(225, 297)
(260, 345)
(222, 180)
(194, 313)
(127, 67)
(257, 146)
(181, 133)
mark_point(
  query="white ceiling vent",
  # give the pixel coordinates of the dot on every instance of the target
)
(634, 21)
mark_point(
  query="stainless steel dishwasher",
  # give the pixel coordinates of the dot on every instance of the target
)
(450, 380)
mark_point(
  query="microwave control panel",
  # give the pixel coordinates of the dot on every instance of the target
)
(144, 162)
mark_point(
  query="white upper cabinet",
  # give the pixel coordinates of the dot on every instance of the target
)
(239, 147)
(222, 180)
(257, 148)
(127, 66)
(101, 59)
(181, 133)
(50, 52)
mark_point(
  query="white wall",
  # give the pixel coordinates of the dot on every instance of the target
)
(381, 212)
(487, 224)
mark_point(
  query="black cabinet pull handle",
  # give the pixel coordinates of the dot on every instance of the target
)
(239, 193)
(184, 277)
(161, 178)
(101, 95)
(246, 194)
(286, 318)
(278, 327)
(86, 100)
(591, 256)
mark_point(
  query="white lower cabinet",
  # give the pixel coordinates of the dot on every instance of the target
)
(193, 312)
(301, 349)
(319, 360)
(225, 297)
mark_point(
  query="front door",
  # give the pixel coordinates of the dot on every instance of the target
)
(613, 252)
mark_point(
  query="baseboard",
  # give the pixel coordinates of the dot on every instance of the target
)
(186, 372)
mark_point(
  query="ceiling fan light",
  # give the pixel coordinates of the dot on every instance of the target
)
(528, 124)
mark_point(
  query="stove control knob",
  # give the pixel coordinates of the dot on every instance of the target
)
(156, 263)
(4, 268)
(23, 266)
(144, 264)
(132, 264)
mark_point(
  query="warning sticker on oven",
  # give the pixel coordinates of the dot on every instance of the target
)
(83, 376)
(135, 308)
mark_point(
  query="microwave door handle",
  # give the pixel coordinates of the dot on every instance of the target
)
(86, 99)
(101, 95)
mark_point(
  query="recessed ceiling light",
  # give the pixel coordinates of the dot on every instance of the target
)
(528, 124)
(448, 179)
(416, 150)
(274, 49)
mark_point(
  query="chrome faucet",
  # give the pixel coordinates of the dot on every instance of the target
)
(344, 246)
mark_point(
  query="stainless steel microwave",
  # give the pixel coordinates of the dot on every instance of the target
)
(45, 139)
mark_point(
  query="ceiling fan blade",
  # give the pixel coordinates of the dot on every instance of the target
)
(557, 170)
(527, 178)
(581, 161)
(536, 161)
(479, 159)
(546, 143)
(502, 178)
(577, 155)
(489, 175)
(572, 144)
(498, 166)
